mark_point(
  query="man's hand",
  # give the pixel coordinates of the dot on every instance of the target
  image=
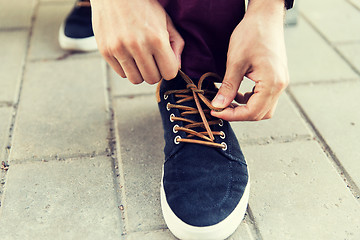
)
(257, 51)
(137, 38)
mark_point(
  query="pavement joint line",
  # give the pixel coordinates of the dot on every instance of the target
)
(55, 3)
(331, 44)
(353, 4)
(16, 102)
(114, 147)
(58, 157)
(130, 96)
(14, 29)
(146, 230)
(324, 82)
(6, 104)
(333, 159)
(277, 140)
(65, 56)
(254, 229)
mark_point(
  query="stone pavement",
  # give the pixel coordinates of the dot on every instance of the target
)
(84, 147)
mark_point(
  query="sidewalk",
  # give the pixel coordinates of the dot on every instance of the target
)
(84, 147)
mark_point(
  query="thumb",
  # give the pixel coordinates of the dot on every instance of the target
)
(176, 41)
(229, 87)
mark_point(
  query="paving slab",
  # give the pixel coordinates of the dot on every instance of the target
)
(62, 110)
(72, 199)
(286, 125)
(297, 194)
(352, 52)
(44, 41)
(356, 3)
(12, 57)
(141, 142)
(5, 121)
(333, 108)
(242, 233)
(333, 18)
(16, 14)
(311, 59)
(123, 87)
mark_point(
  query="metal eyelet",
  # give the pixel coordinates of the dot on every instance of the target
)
(174, 130)
(166, 96)
(225, 146)
(221, 123)
(222, 136)
(176, 139)
(172, 116)
(167, 106)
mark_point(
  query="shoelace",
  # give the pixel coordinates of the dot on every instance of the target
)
(196, 93)
(84, 3)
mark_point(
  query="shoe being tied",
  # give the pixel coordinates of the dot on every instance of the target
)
(76, 33)
(205, 184)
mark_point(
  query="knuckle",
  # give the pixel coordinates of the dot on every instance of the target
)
(227, 85)
(155, 41)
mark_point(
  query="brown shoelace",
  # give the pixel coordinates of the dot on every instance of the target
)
(193, 92)
(83, 3)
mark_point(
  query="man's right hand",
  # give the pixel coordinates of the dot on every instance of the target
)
(137, 38)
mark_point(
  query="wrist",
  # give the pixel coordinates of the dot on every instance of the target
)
(267, 7)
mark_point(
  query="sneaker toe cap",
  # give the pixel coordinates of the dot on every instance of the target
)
(203, 187)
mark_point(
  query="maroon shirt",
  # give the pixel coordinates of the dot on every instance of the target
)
(206, 26)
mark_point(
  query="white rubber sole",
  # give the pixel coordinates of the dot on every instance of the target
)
(74, 44)
(218, 231)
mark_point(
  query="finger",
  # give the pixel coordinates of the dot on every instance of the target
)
(116, 66)
(148, 69)
(229, 86)
(131, 70)
(270, 113)
(255, 109)
(176, 41)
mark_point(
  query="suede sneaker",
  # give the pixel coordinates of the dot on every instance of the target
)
(205, 184)
(76, 33)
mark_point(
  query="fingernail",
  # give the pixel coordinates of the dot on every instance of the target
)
(218, 101)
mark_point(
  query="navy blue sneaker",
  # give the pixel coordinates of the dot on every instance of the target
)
(205, 184)
(76, 33)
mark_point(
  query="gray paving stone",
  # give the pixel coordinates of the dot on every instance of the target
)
(62, 110)
(123, 87)
(286, 125)
(297, 194)
(5, 121)
(72, 199)
(12, 55)
(141, 140)
(44, 41)
(333, 18)
(333, 108)
(16, 14)
(356, 3)
(352, 52)
(163, 234)
(311, 59)
(242, 233)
